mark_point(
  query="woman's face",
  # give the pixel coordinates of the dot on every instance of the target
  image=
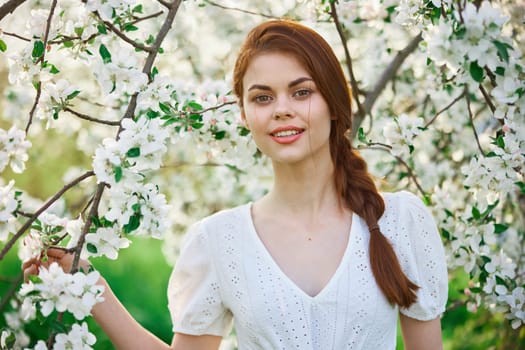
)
(284, 110)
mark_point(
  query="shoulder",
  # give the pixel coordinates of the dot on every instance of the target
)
(225, 221)
(226, 218)
(405, 215)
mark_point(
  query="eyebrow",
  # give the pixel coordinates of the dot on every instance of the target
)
(291, 84)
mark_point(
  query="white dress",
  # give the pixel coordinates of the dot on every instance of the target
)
(225, 273)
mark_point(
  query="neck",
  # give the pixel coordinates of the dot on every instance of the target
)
(305, 190)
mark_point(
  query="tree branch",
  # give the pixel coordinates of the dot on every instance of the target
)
(388, 74)
(41, 60)
(9, 7)
(410, 172)
(14, 35)
(93, 212)
(140, 19)
(91, 119)
(11, 291)
(239, 10)
(487, 98)
(166, 26)
(126, 38)
(52, 200)
(348, 58)
(471, 117)
(445, 108)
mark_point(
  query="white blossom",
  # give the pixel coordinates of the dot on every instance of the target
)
(107, 241)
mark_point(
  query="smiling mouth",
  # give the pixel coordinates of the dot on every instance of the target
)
(286, 133)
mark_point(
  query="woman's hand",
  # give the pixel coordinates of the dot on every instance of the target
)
(59, 255)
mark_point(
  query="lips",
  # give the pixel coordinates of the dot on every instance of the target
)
(287, 134)
(286, 131)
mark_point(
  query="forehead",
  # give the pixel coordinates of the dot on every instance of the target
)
(273, 68)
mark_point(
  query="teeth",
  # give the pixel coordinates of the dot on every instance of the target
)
(286, 133)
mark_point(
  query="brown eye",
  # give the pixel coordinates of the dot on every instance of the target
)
(302, 93)
(262, 98)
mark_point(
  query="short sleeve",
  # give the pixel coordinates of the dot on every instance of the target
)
(422, 257)
(194, 298)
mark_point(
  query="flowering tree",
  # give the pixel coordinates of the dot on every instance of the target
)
(139, 93)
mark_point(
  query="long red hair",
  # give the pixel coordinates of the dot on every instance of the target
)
(352, 180)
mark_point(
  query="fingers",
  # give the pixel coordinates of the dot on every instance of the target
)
(30, 270)
(55, 252)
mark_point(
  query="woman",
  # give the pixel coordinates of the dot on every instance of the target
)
(323, 261)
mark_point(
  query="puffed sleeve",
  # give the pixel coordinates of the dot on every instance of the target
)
(194, 296)
(422, 257)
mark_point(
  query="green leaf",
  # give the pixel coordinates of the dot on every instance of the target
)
(219, 135)
(130, 28)
(476, 72)
(10, 340)
(104, 53)
(102, 29)
(91, 248)
(38, 49)
(197, 125)
(476, 213)
(165, 108)
(54, 69)
(3, 46)
(503, 52)
(136, 207)
(154, 72)
(500, 71)
(35, 279)
(500, 228)
(243, 131)
(194, 106)
(133, 152)
(133, 224)
(500, 280)
(118, 173)
(152, 114)
(137, 9)
(361, 135)
(521, 185)
(73, 95)
(79, 31)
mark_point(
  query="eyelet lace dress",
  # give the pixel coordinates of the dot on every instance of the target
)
(225, 275)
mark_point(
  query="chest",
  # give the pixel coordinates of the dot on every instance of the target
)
(265, 299)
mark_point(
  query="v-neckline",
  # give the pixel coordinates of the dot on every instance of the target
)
(341, 266)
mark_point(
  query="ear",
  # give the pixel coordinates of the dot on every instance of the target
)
(243, 118)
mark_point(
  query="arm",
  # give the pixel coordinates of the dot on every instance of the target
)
(419, 335)
(122, 329)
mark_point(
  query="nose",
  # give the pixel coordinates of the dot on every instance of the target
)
(282, 109)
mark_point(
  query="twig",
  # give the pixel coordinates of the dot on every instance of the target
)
(52, 200)
(164, 3)
(125, 37)
(388, 148)
(93, 212)
(487, 98)
(239, 10)
(460, 96)
(11, 291)
(9, 7)
(471, 117)
(140, 19)
(91, 119)
(214, 107)
(348, 58)
(15, 35)
(41, 60)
